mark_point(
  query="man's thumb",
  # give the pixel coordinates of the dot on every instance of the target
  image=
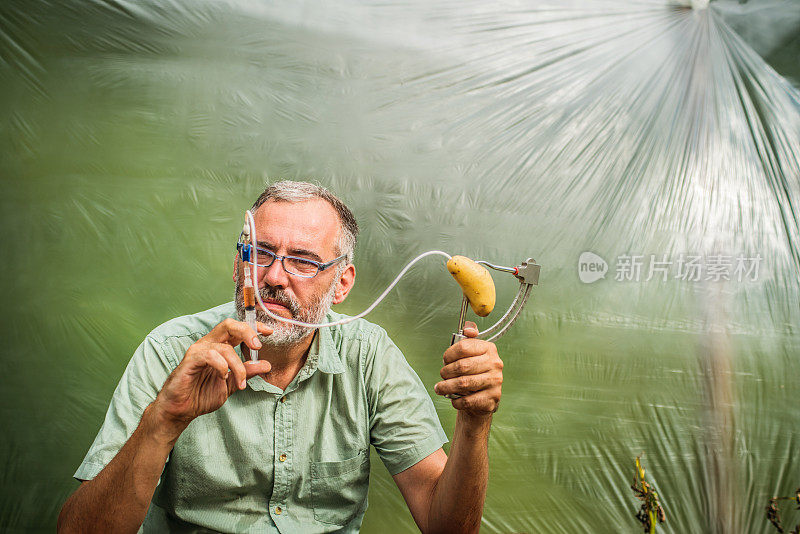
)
(470, 329)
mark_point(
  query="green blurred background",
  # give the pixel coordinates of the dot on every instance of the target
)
(133, 136)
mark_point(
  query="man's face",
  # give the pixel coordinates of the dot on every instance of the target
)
(306, 229)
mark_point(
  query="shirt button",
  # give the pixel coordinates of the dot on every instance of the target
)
(283, 399)
(278, 510)
(282, 457)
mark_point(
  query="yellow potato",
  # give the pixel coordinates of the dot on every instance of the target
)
(475, 282)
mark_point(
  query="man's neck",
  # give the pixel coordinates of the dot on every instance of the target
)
(286, 361)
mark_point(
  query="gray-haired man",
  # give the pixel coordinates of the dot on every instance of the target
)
(197, 440)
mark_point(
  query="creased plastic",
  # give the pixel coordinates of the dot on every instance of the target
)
(133, 135)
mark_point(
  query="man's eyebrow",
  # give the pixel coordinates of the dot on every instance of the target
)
(303, 252)
(293, 252)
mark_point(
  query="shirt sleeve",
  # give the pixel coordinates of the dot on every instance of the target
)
(404, 427)
(146, 373)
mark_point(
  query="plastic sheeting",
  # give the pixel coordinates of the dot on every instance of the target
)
(133, 135)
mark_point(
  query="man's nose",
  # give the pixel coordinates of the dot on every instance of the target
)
(275, 275)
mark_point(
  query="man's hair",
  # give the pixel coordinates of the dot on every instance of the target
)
(288, 191)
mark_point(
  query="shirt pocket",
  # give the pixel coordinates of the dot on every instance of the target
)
(339, 489)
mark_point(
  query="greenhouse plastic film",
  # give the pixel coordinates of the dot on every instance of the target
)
(655, 143)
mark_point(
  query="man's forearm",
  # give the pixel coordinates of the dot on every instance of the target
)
(118, 498)
(457, 500)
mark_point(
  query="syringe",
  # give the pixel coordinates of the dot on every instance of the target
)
(249, 290)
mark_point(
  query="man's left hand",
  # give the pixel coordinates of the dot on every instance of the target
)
(474, 370)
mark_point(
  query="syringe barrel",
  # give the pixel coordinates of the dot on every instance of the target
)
(249, 297)
(250, 305)
(249, 290)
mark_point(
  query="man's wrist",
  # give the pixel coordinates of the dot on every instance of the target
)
(160, 426)
(474, 424)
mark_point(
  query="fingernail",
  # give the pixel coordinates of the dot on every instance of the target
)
(436, 389)
(243, 384)
(256, 342)
(226, 374)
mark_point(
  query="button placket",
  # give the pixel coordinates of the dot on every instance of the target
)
(282, 462)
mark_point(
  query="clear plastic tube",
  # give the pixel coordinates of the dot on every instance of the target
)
(252, 225)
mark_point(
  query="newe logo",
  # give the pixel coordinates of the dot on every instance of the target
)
(591, 267)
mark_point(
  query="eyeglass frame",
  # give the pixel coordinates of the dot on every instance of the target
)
(320, 266)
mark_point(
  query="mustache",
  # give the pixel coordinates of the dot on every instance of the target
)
(281, 297)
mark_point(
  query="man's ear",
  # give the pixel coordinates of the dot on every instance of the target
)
(345, 284)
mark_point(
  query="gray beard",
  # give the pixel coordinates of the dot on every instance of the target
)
(286, 334)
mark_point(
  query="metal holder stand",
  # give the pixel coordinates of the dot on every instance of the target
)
(528, 275)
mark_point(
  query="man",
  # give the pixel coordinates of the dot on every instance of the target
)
(197, 440)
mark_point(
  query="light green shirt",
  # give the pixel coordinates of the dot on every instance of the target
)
(270, 460)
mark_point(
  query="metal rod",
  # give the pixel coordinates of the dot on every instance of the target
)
(464, 303)
(491, 330)
(511, 270)
(516, 314)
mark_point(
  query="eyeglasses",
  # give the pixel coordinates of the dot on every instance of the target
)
(302, 267)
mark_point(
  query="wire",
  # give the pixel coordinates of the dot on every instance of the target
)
(254, 271)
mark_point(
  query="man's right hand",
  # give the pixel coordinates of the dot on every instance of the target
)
(209, 373)
(118, 498)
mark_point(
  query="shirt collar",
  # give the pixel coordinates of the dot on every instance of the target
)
(323, 353)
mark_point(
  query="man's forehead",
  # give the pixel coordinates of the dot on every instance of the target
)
(312, 224)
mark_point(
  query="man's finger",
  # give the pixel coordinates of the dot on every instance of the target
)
(232, 333)
(234, 363)
(259, 367)
(466, 348)
(470, 329)
(482, 401)
(216, 361)
(467, 366)
(263, 329)
(463, 385)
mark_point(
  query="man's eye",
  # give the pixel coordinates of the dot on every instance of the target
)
(302, 264)
(264, 257)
